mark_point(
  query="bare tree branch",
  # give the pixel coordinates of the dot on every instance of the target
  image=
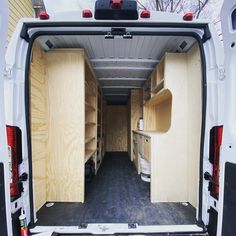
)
(172, 6)
(159, 5)
(202, 7)
(141, 5)
(167, 5)
(178, 6)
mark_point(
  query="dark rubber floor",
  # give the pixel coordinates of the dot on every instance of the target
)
(116, 195)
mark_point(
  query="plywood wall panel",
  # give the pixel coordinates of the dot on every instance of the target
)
(194, 122)
(116, 128)
(66, 118)
(39, 130)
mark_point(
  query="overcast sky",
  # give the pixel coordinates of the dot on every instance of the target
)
(67, 5)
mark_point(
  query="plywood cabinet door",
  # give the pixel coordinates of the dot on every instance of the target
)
(135, 146)
(140, 144)
(147, 148)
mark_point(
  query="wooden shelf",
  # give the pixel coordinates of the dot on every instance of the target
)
(163, 95)
(88, 154)
(158, 87)
(89, 107)
(88, 140)
(90, 123)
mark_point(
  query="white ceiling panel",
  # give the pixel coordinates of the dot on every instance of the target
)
(125, 82)
(121, 62)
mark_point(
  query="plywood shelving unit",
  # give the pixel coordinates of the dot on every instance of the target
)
(136, 112)
(64, 123)
(158, 99)
(91, 98)
(99, 129)
(103, 113)
(172, 119)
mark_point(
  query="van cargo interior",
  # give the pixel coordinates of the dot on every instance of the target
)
(115, 129)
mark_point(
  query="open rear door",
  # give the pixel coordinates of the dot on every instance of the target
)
(227, 206)
(5, 212)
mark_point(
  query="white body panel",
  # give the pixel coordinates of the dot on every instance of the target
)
(215, 82)
(14, 91)
(228, 151)
(110, 229)
(3, 140)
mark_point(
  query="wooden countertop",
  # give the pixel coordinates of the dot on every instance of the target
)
(148, 133)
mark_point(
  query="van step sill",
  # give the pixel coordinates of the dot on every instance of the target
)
(103, 229)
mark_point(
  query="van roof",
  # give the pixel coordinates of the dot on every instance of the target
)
(156, 17)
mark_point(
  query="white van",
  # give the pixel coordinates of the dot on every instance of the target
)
(118, 121)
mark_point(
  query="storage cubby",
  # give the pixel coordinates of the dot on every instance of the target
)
(157, 112)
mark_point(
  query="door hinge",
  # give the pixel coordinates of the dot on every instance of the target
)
(132, 225)
(221, 73)
(8, 73)
(82, 226)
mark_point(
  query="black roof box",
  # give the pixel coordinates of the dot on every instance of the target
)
(116, 10)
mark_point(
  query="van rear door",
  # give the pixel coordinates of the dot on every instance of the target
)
(5, 227)
(227, 200)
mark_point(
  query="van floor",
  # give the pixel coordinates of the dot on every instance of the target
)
(116, 195)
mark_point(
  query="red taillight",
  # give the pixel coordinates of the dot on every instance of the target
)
(15, 158)
(43, 15)
(145, 14)
(215, 144)
(116, 4)
(188, 16)
(87, 13)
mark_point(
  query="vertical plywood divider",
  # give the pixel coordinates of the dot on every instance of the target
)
(194, 122)
(136, 112)
(39, 127)
(169, 183)
(66, 118)
(175, 166)
(57, 81)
